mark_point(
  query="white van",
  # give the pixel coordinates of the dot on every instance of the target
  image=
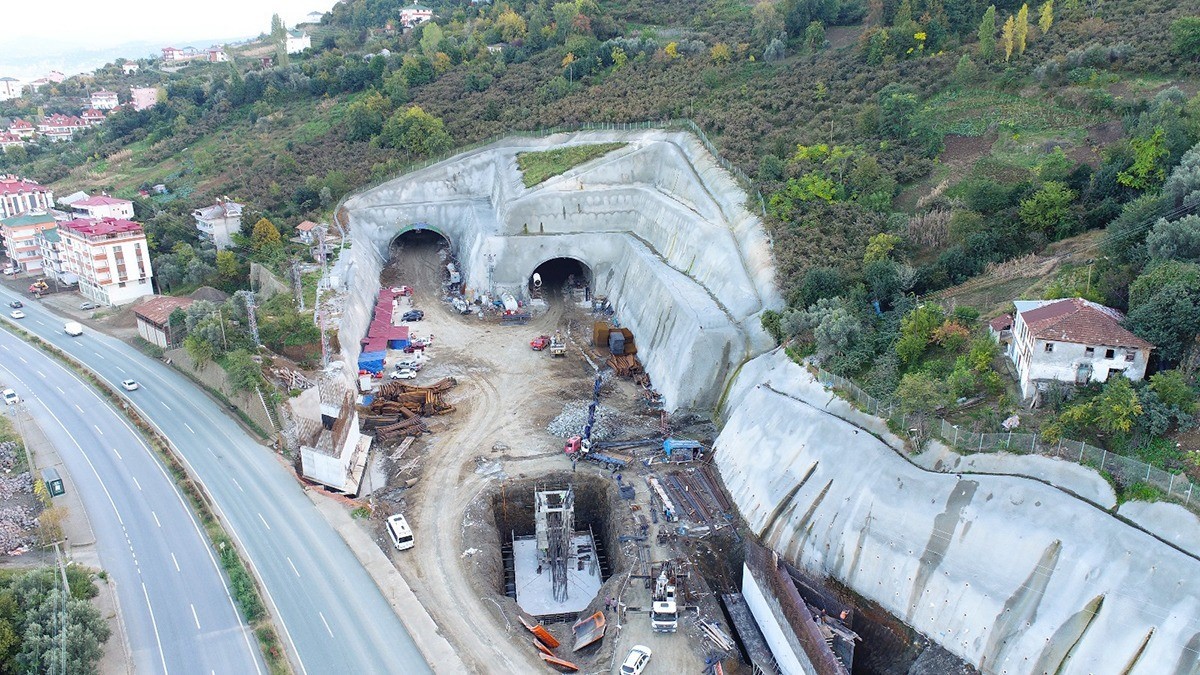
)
(399, 532)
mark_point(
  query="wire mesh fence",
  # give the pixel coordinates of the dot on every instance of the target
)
(1124, 471)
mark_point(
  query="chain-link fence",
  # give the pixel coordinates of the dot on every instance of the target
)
(1124, 471)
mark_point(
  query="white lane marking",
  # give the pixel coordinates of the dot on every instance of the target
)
(135, 482)
(264, 521)
(97, 429)
(22, 359)
(6, 348)
(325, 622)
(165, 405)
(236, 484)
(118, 454)
(176, 562)
(156, 521)
(79, 409)
(194, 617)
(40, 374)
(189, 427)
(122, 370)
(93, 467)
(154, 624)
(293, 566)
(97, 353)
(60, 390)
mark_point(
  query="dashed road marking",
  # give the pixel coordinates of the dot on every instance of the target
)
(327, 630)
(97, 428)
(118, 454)
(195, 617)
(40, 374)
(293, 567)
(165, 406)
(264, 521)
(189, 427)
(97, 353)
(135, 482)
(176, 562)
(236, 484)
(79, 409)
(156, 521)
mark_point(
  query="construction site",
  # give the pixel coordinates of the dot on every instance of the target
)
(567, 393)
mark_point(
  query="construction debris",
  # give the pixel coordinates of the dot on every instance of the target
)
(588, 631)
(626, 365)
(398, 409)
(574, 416)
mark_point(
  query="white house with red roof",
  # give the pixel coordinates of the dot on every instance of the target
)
(10, 87)
(92, 117)
(216, 54)
(8, 140)
(21, 128)
(105, 100)
(110, 257)
(1072, 340)
(103, 206)
(59, 127)
(18, 196)
(414, 15)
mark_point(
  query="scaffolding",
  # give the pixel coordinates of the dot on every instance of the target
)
(554, 513)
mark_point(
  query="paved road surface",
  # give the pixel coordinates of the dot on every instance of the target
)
(174, 602)
(334, 618)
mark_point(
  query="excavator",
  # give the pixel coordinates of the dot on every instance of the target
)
(38, 287)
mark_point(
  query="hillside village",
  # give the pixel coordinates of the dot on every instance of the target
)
(977, 226)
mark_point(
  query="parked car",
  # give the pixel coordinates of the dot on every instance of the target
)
(636, 662)
(414, 348)
(10, 397)
(414, 315)
(129, 385)
(16, 304)
(88, 304)
(403, 374)
(411, 365)
(17, 314)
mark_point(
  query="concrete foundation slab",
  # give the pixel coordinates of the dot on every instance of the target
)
(535, 594)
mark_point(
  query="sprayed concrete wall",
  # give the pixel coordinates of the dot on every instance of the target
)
(663, 229)
(1011, 574)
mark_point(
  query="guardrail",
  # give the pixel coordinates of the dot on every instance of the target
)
(1123, 470)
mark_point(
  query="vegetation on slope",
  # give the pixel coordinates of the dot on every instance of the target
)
(538, 167)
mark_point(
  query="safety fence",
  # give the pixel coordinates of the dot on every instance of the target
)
(1124, 471)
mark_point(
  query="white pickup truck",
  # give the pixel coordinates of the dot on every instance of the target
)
(73, 328)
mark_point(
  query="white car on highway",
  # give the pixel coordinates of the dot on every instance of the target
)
(10, 397)
(17, 314)
(129, 385)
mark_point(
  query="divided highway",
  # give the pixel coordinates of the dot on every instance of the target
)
(175, 605)
(333, 616)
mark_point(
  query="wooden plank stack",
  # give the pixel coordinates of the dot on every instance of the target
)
(625, 365)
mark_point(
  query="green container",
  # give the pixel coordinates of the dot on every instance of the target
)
(54, 482)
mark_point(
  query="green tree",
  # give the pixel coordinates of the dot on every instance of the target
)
(1021, 30)
(201, 350)
(1164, 308)
(1046, 16)
(1185, 36)
(243, 372)
(880, 247)
(227, 266)
(278, 29)
(1175, 240)
(1148, 167)
(416, 132)
(720, 53)
(1116, 409)
(1007, 36)
(814, 36)
(766, 23)
(921, 394)
(916, 331)
(511, 26)
(897, 106)
(264, 235)
(1049, 209)
(965, 71)
(987, 34)
(431, 38)
(1173, 389)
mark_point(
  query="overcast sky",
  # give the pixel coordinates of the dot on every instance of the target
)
(30, 40)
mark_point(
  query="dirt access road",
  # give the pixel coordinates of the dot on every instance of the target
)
(506, 395)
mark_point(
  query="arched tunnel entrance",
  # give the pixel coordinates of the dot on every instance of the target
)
(559, 277)
(419, 257)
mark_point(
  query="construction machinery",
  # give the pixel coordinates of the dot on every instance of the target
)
(558, 346)
(664, 614)
(580, 447)
(38, 287)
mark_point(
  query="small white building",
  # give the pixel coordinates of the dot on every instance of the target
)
(93, 117)
(1072, 340)
(105, 100)
(414, 15)
(143, 97)
(50, 248)
(10, 87)
(154, 320)
(219, 222)
(297, 41)
(110, 258)
(103, 206)
(8, 140)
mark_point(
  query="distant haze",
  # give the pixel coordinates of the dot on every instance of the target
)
(99, 33)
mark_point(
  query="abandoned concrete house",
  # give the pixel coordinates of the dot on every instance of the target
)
(1071, 340)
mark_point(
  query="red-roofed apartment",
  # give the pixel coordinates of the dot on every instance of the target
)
(1072, 340)
(18, 196)
(21, 128)
(8, 140)
(58, 127)
(92, 117)
(103, 206)
(110, 258)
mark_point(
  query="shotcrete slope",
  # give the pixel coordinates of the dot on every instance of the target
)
(661, 227)
(1010, 574)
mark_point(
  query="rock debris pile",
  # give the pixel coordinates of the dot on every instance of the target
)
(574, 417)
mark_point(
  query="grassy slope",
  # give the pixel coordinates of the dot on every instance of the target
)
(538, 167)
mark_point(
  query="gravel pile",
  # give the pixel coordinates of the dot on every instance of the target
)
(16, 529)
(574, 417)
(11, 486)
(8, 456)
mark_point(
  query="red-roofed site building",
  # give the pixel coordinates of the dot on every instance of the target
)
(154, 320)
(109, 256)
(103, 206)
(105, 100)
(1074, 341)
(18, 196)
(92, 117)
(59, 127)
(21, 128)
(8, 140)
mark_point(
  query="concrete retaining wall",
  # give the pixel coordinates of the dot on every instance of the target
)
(662, 228)
(1013, 575)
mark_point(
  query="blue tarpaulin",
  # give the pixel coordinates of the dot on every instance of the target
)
(371, 361)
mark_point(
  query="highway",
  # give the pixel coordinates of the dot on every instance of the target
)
(175, 605)
(332, 615)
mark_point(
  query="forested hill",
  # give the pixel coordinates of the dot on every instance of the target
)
(902, 147)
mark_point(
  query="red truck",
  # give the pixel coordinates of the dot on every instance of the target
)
(539, 343)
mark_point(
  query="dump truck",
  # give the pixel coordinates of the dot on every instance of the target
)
(558, 346)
